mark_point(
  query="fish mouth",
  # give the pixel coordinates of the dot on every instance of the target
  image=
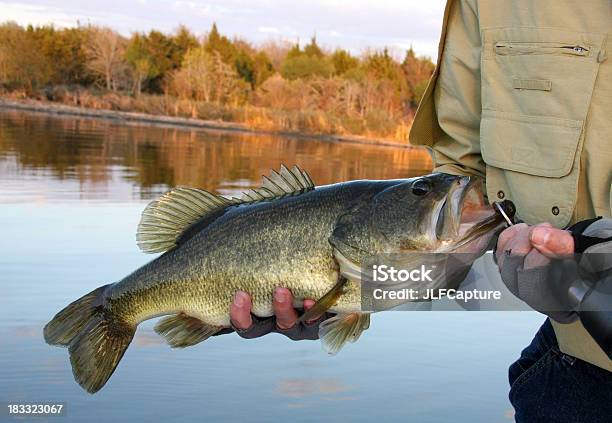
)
(464, 217)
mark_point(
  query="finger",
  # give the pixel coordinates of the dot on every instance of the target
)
(307, 306)
(240, 311)
(286, 316)
(535, 259)
(516, 240)
(505, 237)
(544, 224)
(519, 245)
(552, 242)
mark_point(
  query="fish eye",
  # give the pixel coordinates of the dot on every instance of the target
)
(421, 187)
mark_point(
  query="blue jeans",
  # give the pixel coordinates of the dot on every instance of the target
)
(549, 386)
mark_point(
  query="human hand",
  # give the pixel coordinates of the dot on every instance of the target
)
(523, 254)
(285, 318)
(538, 244)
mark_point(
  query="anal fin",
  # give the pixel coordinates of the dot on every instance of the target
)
(182, 330)
(342, 328)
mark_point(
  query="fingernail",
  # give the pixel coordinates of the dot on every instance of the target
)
(281, 295)
(539, 236)
(239, 299)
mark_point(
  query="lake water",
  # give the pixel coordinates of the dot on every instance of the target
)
(71, 193)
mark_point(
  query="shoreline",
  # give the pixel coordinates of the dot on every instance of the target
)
(182, 123)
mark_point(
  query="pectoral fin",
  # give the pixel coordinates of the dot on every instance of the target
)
(342, 328)
(349, 271)
(326, 302)
(182, 330)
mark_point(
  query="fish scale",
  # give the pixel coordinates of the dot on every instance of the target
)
(286, 233)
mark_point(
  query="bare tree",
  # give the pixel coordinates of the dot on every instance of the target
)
(195, 79)
(277, 51)
(105, 50)
(204, 77)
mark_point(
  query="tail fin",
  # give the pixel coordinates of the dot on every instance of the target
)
(96, 341)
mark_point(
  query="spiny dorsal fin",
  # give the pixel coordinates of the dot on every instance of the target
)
(280, 184)
(164, 220)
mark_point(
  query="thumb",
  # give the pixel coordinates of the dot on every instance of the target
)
(552, 242)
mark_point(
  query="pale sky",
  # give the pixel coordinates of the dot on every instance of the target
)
(352, 24)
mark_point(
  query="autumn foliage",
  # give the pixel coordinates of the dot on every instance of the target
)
(277, 86)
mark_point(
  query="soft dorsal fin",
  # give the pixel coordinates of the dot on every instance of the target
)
(165, 220)
(280, 184)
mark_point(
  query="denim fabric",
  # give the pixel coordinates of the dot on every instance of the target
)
(549, 386)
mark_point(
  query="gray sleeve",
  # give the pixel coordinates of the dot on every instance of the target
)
(535, 287)
(598, 257)
(547, 292)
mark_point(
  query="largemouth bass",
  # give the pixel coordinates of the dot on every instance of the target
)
(286, 233)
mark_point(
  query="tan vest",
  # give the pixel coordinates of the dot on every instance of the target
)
(522, 95)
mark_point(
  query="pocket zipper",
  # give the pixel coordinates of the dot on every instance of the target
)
(519, 48)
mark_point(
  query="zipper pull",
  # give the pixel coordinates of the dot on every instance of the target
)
(602, 56)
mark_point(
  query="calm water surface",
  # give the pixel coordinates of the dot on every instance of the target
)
(71, 193)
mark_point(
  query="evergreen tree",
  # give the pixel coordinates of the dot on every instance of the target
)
(343, 62)
(417, 72)
(144, 65)
(182, 41)
(313, 50)
(217, 43)
(263, 68)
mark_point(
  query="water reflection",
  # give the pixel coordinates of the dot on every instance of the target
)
(99, 153)
(302, 387)
(71, 192)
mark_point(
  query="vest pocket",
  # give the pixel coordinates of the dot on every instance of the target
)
(532, 161)
(537, 85)
(539, 71)
(537, 145)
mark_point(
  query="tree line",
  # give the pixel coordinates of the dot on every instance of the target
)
(274, 86)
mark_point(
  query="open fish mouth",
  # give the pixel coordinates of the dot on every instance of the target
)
(463, 216)
(474, 212)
